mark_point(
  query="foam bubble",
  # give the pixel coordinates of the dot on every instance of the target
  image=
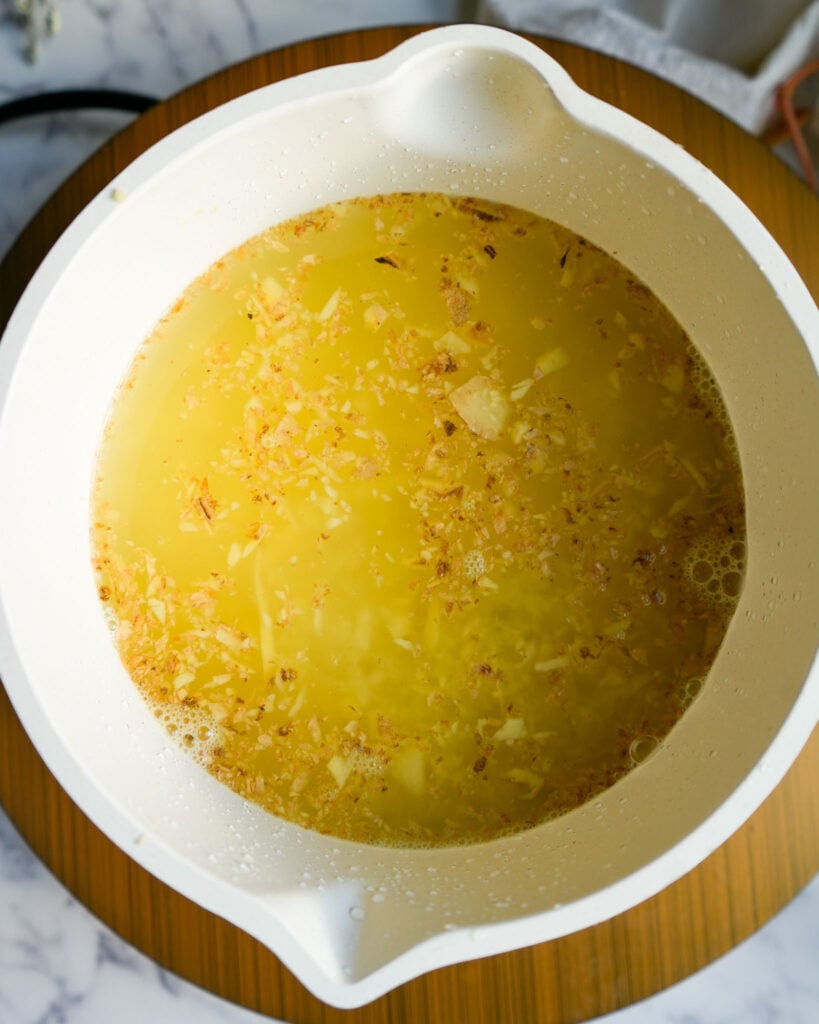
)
(642, 748)
(693, 686)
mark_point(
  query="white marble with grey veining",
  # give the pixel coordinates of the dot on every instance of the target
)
(58, 964)
(154, 47)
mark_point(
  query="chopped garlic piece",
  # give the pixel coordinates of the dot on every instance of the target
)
(330, 306)
(519, 390)
(526, 777)
(158, 608)
(374, 316)
(512, 729)
(551, 664)
(552, 360)
(229, 638)
(519, 430)
(340, 769)
(695, 474)
(183, 679)
(482, 406)
(272, 290)
(452, 343)
(673, 378)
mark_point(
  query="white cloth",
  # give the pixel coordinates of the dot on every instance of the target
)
(730, 53)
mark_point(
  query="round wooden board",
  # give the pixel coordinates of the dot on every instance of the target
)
(572, 979)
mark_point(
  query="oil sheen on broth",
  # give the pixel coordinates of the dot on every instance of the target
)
(418, 520)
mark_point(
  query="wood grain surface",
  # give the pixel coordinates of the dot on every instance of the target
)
(572, 979)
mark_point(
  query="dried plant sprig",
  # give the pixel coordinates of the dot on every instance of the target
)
(39, 19)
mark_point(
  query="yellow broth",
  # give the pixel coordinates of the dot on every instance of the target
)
(418, 520)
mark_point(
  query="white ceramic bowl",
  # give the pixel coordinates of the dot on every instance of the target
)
(475, 111)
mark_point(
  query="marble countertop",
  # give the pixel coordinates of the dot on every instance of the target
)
(57, 962)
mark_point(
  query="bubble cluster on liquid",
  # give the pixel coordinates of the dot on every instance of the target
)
(192, 728)
(690, 689)
(708, 391)
(715, 566)
(474, 564)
